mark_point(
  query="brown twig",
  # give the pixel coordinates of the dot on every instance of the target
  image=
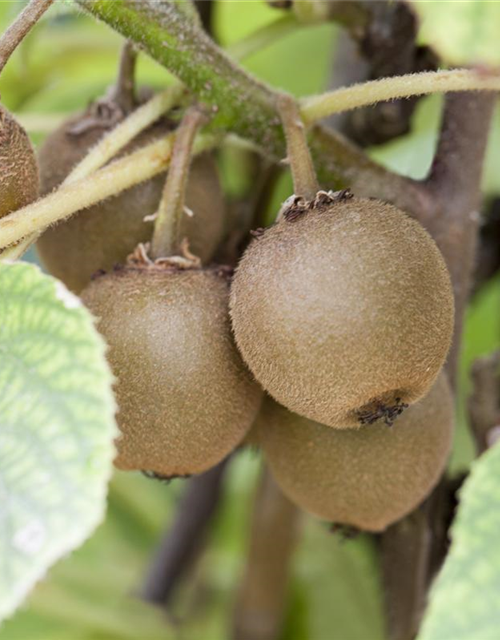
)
(20, 28)
(385, 34)
(123, 93)
(184, 538)
(488, 255)
(453, 194)
(261, 601)
(484, 402)
(405, 553)
(454, 187)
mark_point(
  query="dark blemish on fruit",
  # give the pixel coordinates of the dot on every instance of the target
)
(152, 475)
(381, 411)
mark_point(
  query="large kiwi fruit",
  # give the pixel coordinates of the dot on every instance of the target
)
(18, 166)
(343, 310)
(185, 398)
(368, 477)
(106, 233)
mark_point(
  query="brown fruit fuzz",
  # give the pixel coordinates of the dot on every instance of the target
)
(105, 234)
(367, 478)
(343, 310)
(185, 398)
(18, 166)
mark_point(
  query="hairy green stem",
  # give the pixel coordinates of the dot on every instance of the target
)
(412, 84)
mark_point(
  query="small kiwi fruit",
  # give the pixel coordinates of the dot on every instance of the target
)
(185, 398)
(368, 477)
(105, 234)
(343, 310)
(18, 165)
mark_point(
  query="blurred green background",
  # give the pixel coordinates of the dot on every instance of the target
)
(66, 62)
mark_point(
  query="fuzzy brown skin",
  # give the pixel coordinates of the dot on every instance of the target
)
(108, 232)
(369, 477)
(184, 395)
(18, 166)
(344, 311)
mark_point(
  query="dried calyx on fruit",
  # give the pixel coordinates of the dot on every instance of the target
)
(368, 477)
(18, 166)
(343, 310)
(104, 235)
(185, 398)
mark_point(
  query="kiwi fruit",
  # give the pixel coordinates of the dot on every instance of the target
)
(343, 310)
(368, 477)
(18, 165)
(103, 235)
(184, 395)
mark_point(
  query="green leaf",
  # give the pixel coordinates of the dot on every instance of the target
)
(56, 427)
(464, 600)
(463, 33)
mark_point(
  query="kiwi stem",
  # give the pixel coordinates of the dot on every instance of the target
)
(261, 603)
(109, 181)
(124, 90)
(166, 236)
(126, 131)
(23, 24)
(185, 536)
(412, 84)
(405, 549)
(484, 402)
(305, 183)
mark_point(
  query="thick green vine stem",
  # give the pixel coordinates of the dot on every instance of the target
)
(241, 104)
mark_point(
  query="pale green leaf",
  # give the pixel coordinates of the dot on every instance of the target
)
(463, 33)
(464, 600)
(56, 427)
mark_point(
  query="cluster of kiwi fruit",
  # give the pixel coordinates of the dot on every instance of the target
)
(342, 312)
